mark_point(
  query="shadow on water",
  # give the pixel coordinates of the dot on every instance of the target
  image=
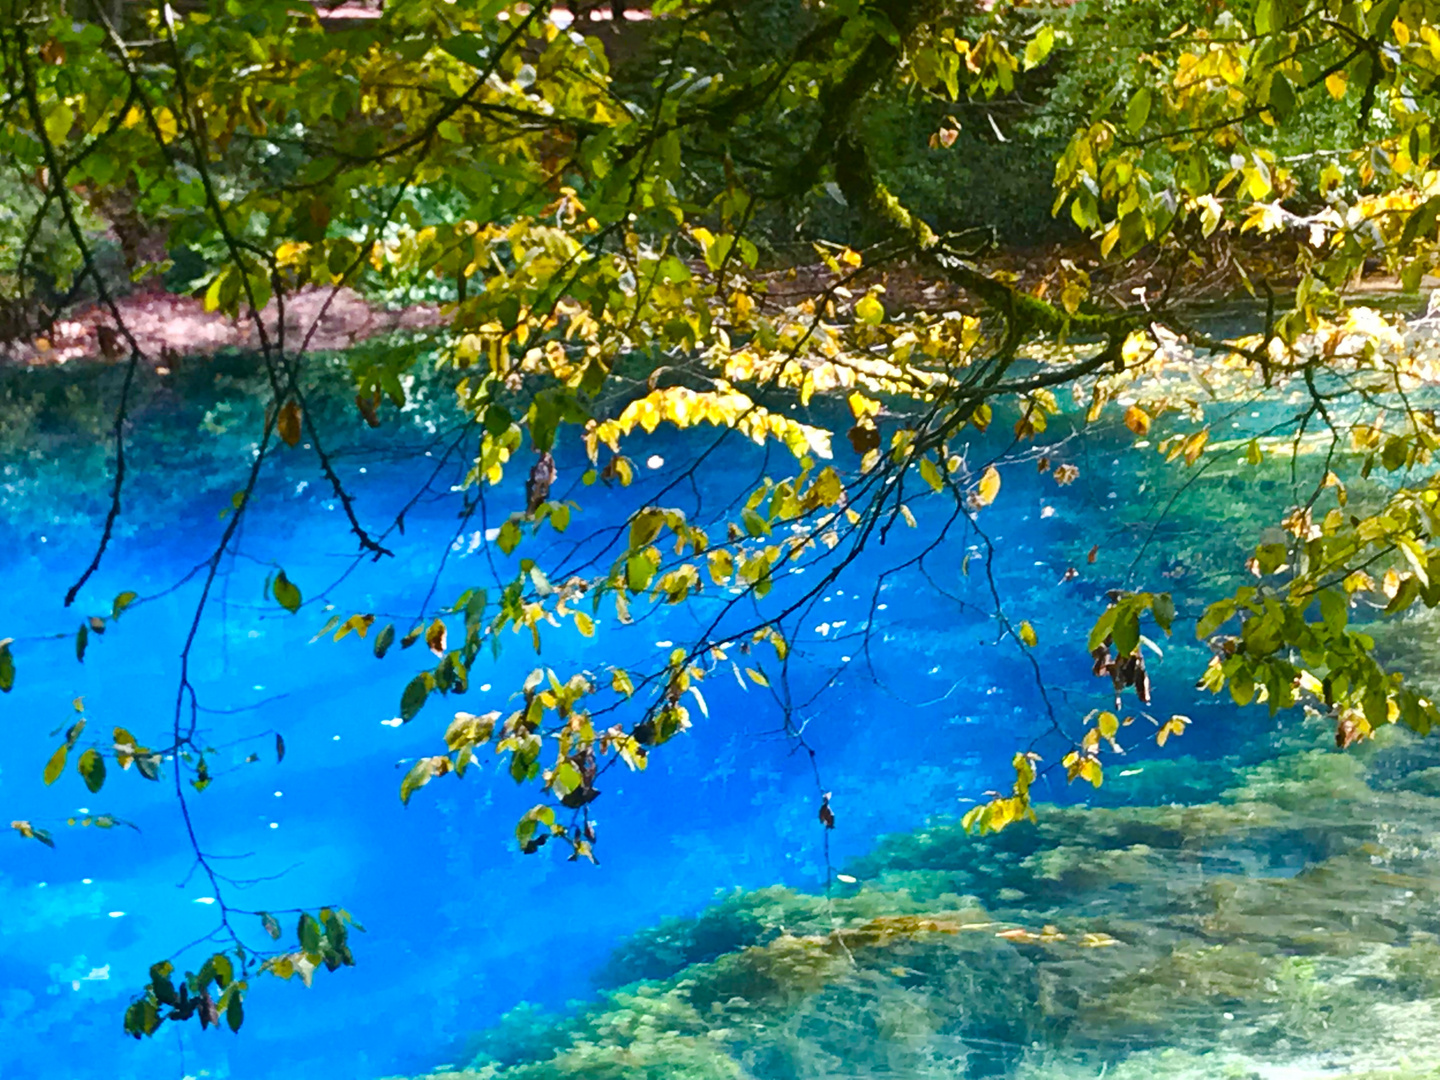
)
(1239, 903)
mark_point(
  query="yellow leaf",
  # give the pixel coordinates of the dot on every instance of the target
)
(1336, 82)
(1195, 446)
(989, 486)
(584, 624)
(930, 474)
(1108, 724)
(1027, 634)
(869, 310)
(1137, 420)
(757, 677)
(165, 121)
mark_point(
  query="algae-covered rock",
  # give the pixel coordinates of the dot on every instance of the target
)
(1282, 929)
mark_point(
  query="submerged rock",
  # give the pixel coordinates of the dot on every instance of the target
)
(1284, 927)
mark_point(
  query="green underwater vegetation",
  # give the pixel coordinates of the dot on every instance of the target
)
(1282, 923)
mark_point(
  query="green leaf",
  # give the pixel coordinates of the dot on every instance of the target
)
(82, 639)
(638, 572)
(1216, 615)
(123, 601)
(1127, 630)
(287, 594)
(528, 825)
(279, 748)
(92, 769)
(235, 1012)
(1282, 97)
(7, 667)
(413, 699)
(420, 774)
(1138, 111)
(271, 924)
(384, 640)
(565, 780)
(58, 122)
(1037, 49)
(308, 932)
(509, 538)
(1334, 610)
(1162, 606)
(1102, 629)
(56, 764)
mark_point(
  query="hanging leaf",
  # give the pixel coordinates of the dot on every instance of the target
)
(30, 832)
(384, 640)
(1039, 46)
(288, 423)
(287, 595)
(122, 601)
(279, 748)
(1138, 111)
(435, 637)
(56, 765)
(271, 924)
(7, 666)
(125, 748)
(235, 1011)
(989, 486)
(413, 699)
(82, 639)
(92, 770)
(421, 773)
(1027, 634)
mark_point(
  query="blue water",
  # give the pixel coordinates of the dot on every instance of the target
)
(461, 926)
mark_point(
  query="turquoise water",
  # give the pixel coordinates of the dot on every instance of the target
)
(910, 705)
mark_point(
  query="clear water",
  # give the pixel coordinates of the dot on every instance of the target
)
(461, 927)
